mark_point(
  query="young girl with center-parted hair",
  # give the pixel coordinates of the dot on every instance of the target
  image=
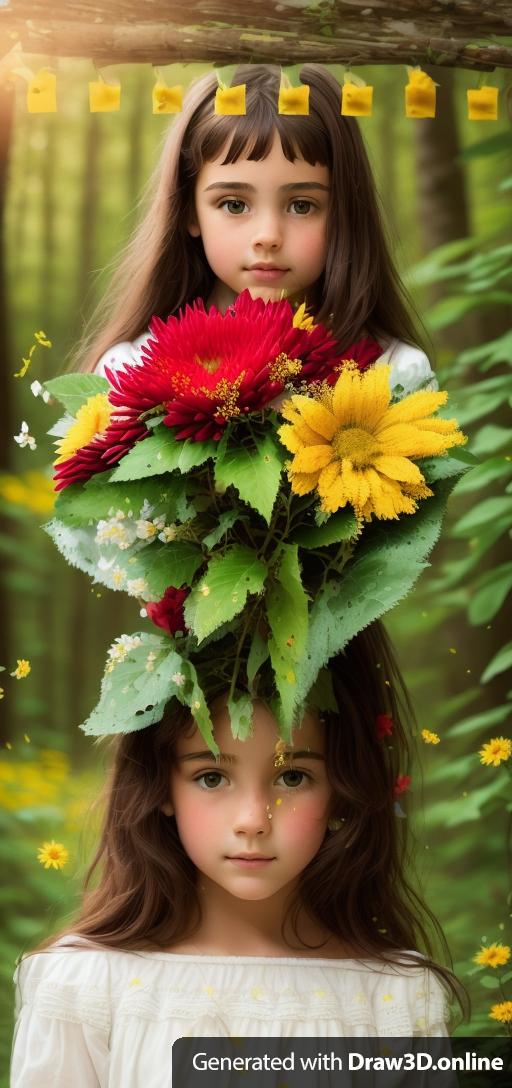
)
(320, 933)
(323, 932)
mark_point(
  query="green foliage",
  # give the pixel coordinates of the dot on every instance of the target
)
(255, 472)
(222, 591)
(162, 452)
(134, 693)
(73, 390)
(100, 498)
(287, 612)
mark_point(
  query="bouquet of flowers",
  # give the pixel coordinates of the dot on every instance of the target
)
(261, 493)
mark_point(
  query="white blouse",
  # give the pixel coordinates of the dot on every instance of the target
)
(410, 367)
(92, 1018)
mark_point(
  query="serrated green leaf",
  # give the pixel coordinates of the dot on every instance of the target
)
(258, 654)
(340, 526)
(287, 612)
(387, 564)
(223, 589)
(80, 503)
(254, 473)
(171, 564)
(162, 452)
(192, 695)
(240, 714)
(456, 463)
(73, 390)
(501, 661)
(133, 696)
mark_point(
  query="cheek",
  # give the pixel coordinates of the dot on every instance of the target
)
(303, 821)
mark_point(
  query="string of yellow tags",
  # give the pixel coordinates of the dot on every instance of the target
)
(356, 96)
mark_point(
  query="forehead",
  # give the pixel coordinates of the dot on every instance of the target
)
(265, 734)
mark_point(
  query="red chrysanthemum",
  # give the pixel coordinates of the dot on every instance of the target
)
(168, 612)
(203, 369)
(384, 726)
(402, 784)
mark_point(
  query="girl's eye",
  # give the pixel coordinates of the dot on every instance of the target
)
(303, 202)
(209, 775)
(301, 774)
(225, 202)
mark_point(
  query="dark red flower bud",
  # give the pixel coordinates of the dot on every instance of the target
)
(402, 784)
(384, 726)
(168, 612)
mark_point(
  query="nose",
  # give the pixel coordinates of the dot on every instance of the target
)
(267, 232)
(252, 816)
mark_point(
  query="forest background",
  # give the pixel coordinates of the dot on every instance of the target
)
(69, 193)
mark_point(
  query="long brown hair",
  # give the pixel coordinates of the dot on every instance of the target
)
(162, 267)
(359, 886)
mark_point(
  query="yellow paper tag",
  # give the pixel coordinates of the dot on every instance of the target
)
(230, 100)
(42, 92)
(167, 99)
(104, 97)
(294, 100)
(483, 104)
(356, 101)
(420, 94)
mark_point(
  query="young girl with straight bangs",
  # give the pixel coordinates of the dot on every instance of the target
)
(183, 936)
(268, 891)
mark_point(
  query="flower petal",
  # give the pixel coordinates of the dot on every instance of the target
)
(414, 407)
(312, 458)
(399, 468)
(316, 416)
(303, 482)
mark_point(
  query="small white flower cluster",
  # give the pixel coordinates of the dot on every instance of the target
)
(118, 574)
(118, 529)
(119, 649)
(136, 587)
(39, 391)
(24, 438)
(178, 678)
(122, 529)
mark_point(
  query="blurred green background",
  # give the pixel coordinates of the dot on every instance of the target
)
(70, 186)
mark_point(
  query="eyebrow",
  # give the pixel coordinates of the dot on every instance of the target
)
(252, 188)
(225, 758)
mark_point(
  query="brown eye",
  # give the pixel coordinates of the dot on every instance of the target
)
(300, 774)
(208, 775)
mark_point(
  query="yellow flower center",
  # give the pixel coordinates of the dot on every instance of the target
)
(211, 365)
(356, 445)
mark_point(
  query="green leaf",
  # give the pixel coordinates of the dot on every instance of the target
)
(387, 564)
(254, 473)
(451, 309)
(498, 664)
(488, 720)
(456, 463)
(322, 694)
(225, 522)
(258, 654)
(484, 474)
(340, 526)
(492, 145)
(192, 695)
(490, 439)
(240, 714)
(489, 983)
(171, 564)
(222, 591)
(490, 592)
(73, 390)
(482, 514)
(162, 452)
(287, 612)
(133, 697)
(99, 497)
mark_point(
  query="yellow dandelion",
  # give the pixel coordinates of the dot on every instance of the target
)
(493, 955)
(502, 1012)
(496, 751)
(22, 669)
(91, 420)
(430, 738)
(53, 855)
(352, 446)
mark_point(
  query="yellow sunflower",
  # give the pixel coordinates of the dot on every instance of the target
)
(352, 446)
(91, 419)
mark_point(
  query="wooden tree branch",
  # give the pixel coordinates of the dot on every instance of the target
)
(450, 33)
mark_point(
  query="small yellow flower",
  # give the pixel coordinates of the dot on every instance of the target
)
(301, 319)
(22, 669)
(91, 420)
(2, 693)
(502, 1012)
(430, 738)
(493, 955)
(53, 855)
(353, 447)
(496, 751)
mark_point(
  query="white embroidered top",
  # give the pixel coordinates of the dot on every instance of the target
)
(410, 367)
(89, 1018)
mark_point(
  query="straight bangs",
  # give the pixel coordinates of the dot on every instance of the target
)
(251, 135)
